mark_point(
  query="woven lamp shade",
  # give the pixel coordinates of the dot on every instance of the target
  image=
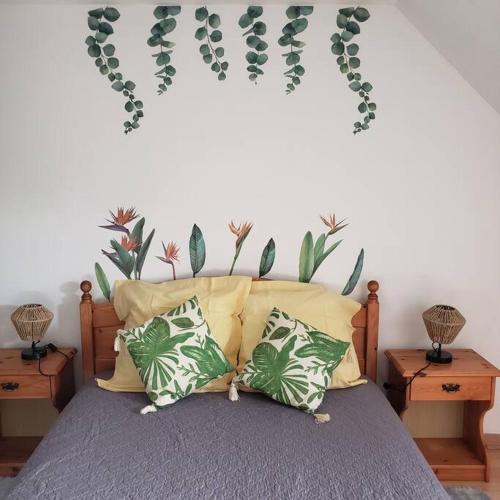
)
(31, 321)
(443, 323)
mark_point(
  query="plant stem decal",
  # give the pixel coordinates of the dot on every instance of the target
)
(348, 62)
(107, 63)
(158, 31)
(211, 55)
(297, 24)
(241, 232)
(257, 58)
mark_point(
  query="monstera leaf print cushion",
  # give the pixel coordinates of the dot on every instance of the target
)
(175, 353)
(293, 362)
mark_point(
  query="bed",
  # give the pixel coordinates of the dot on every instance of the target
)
(206, 446)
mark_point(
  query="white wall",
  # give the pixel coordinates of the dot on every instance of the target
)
(466, 33)
(420, 188)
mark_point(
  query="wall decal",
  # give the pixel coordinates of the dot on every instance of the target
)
(211, 55)
(297, 25)
(241, 232)
(170, 254)
(255, 57)
(197, 251)
(166, 24)
(349, 62)
(130, 253)
(107, 63)
(267, 259)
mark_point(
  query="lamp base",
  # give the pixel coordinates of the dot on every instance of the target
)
(439, 356)
(34, 352)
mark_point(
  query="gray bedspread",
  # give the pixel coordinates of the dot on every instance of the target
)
(207, 447)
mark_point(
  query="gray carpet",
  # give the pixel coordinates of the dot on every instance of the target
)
(466, 493)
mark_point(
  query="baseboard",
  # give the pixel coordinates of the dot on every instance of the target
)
(492, 441)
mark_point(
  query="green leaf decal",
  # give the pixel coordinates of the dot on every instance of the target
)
(297, 25)
(197, 252)
(166, 25)
(103, 281)
(107, 62)
(126, 260)
(141, 257)
(306, 261)
(211, 55)
(353, 280)
(349, 63)
(267, 258)
(253, 33)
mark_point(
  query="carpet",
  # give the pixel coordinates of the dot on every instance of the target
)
(466, 493)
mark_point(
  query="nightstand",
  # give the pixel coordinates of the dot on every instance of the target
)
(22, 380)
(468, 378)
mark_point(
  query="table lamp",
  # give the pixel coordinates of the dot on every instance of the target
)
(31, 321)
(443, 324)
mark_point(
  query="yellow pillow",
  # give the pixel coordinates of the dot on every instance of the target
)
(221, 300)
(313, 304)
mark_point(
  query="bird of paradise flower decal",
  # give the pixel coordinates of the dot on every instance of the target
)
(312, 254)
(241, 232)
(171, 252)
(129, 254)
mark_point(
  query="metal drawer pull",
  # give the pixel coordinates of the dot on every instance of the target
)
(451, 387)
(9, 386)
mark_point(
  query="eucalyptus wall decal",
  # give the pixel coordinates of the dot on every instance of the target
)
(349, 62)
(255, 57)
(197, 252)
(297, 24)
(211, 55)
(165, 25)
(107, 63)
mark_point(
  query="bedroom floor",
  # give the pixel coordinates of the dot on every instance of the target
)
(493, 487)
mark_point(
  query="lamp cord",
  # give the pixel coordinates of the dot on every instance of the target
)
(403, 388)
(51, 348)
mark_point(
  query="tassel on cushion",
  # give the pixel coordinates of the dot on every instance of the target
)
(322, 418)
(149, 409)
(117, 344)
(233, 390)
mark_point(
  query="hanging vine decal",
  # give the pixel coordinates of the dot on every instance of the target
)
(297, 25)
(255, 57)
(165, 25)
(349, 62)
(211, 55)
(107, 63)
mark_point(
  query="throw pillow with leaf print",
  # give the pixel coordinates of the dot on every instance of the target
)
(175, 353)
(293, 363)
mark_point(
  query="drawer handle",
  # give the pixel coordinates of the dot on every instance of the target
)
(10, 386)
(451, 387)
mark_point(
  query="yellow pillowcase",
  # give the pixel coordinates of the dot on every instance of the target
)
(221, 300)
(313, 304)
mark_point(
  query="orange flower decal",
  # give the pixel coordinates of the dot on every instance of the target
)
(128, 243)
(123, 216)
(241, 231)
(171, 252)
(332, 224)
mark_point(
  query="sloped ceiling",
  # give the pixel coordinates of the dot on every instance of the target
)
(467, 34)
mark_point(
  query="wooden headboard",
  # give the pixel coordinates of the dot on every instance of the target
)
(99, 324)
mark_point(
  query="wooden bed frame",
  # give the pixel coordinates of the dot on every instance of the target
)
(99, 324)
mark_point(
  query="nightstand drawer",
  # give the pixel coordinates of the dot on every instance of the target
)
(23, 386)
(451, 389)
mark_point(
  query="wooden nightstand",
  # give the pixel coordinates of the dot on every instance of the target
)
(22, 380)
(468, 378)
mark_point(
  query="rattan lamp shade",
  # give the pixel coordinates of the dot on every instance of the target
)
(31, 321)
(443, 324)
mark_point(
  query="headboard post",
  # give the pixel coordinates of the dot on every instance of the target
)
(86, 330)
(372, 319)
